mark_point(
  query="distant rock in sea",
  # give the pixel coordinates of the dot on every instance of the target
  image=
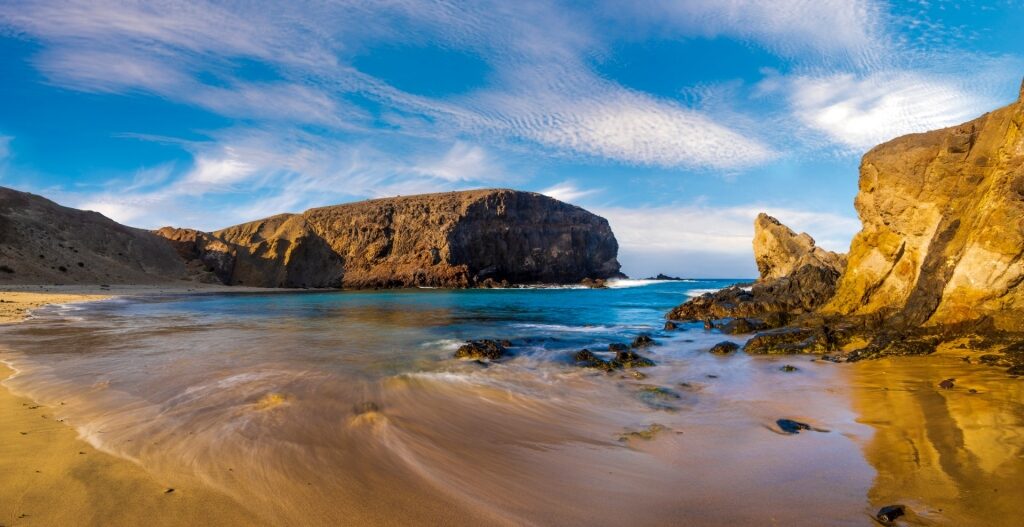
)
(452, 239)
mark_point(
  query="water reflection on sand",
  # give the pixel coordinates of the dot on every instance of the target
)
(349, 410)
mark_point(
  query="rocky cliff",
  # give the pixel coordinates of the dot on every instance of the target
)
(943, 227)
(42, 242)
(937, 261)
(452, 239)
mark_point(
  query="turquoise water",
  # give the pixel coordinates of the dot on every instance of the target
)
(348, 408)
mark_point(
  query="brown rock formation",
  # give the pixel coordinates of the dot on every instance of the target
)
(453, 239)
(42, 242)
(208, 259)
(796, 277)
(940, 257)
(779, 251)
(943, 232)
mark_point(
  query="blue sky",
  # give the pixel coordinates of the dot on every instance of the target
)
(677, 121)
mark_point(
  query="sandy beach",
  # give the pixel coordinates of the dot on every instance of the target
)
(50, 476)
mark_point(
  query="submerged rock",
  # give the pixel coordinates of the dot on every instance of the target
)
(670, 326)
(616, 346)
(630, 359)
(642, 341)
(947, 384)
(724, 348)
(481, 349)
(646, 434)
(586, 359)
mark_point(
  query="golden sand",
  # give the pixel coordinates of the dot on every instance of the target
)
(49, 476)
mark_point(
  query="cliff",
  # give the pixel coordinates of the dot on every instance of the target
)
(452, 239)
(42, 242)
(943, 227)
(938, 259)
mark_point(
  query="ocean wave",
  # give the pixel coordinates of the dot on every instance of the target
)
(698, 292)
(445, 344)
(567, 329)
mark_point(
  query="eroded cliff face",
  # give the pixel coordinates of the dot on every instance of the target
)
(943, 227)
(453, 239)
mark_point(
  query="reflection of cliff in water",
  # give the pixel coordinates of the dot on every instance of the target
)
(952, 456)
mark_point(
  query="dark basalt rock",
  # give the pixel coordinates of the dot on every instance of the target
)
(481, 349)
(642, 341)
(724, 348)
(890, 513)
(615, 346)
(790, 426)
(630, 359)
(586, 359)
(947, 384)
(789, 368)
(670, 326)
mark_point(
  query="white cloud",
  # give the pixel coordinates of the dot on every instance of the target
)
(567, 192)
(859, 112)
(547, 94)
(463, 162)
(853, 30)
(719, 229)
(699, 240)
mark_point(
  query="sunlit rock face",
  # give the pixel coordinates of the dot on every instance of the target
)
(943, 227)
(451, 239)
(779, 251)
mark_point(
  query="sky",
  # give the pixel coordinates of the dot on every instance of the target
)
(677, 121)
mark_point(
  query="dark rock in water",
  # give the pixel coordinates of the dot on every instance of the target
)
(586, 359)
(709, 324)
(615, 346)
(889, 513)
(947, 384)
(481, 349)
(790, 426)
(739, 326)
(642, 341)
(599, 283)
(785, 340)
(629, 359)
(670, 326)
(724, 347)
(658, 397)
(789, 368)
(1016, 370)
(647, 434)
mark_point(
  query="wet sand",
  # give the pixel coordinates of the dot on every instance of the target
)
(50, 476)
(290, 423)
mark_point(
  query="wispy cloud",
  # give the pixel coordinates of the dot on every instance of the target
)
(5, 146)
(857, 112)
(568, 191)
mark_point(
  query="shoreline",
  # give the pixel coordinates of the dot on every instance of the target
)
(49, 475)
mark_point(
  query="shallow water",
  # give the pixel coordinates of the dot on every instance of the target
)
(347, 408)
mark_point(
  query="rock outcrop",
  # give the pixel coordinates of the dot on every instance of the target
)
(940, 256)
(943, 227)
(452, 239)
(779, 252)
(42, 242)
(797, 277)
